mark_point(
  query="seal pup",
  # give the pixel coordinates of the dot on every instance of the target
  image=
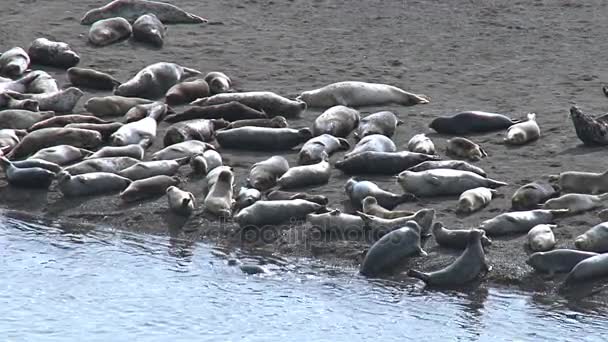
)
(325, 144)
(134, 151)
(371, 207)
(338, 121)
(48, 137)
(180, 202)
(378, 225)
(204, 162)
(531, 195)
(384, 123)
(382, 163)
(594, 240)
(391, 249)
(576, 203)
(219, 200)
(62, 101)
(64, 120)
(140, 132)
(358, 190)
(359, 94)
(475, 199)
(471, 122)
(523, 132)
(186, 92)
(105, 164)
(55, 54)
(263, 213)
(147, 169)
(465, 148)
(268, 102)
(198, 129)
(22, 119)
(156, 110)
(336, 221)
(61, 154)
(89, 184)
(246, 197)
(443, 182)
(218, 82)
(153, 81)
(148, 29)
(148, 187)
(466, 268)
(264, 175)
(279, 195)
(112, 105)
(91, 79)
(448, 164)
(133, 9)
(541, 238)
(557, 261)
(588, 269)
(231, 111)
(42, 83)
(276, 122)
(420, 143)
(184, 149)
(518, 222)
(107, 31)
(456, 238)
(262, 138)
(591, 131)
(106, 129)
(373, 143)
(306, 175)
(31, 177)
(582, 182)
(14, 62)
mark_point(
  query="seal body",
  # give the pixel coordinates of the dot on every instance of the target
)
(56, 54)
(306, 175)
(186, 92)
(219, 200)
(43, 164)
(47, 137)
(379, 226)
(583, 182)
(205, 162)
(588, 269)
(465, 148)
(218, 82)
(384, 123)
(147, 169)
(336, 221)
(106, 164)
(133, 9)
(594, 240)
(371, 207)
(89, 184)
(279, 195)
(64, 120)
(180, 202)
(576, 203)
(62, 101)
(61, 154)
(265, 101)
(262, 138)
(106, 129)
(133, 151)
(358, 190)
(373, 143)
(138, 132)
(246, 197)
(19, 85)
(199, 129)
(148, 29)
(475, 199)
(14, 62)
(156, 110)
(523, 132)
(184, 149)
(112, 105)
(358, 94)
(316, 148)
(276, 122)
(108, 31)
(456, 238)
(471, 122)
(8, 102)
(448, 164)
(153, 81)
(518, 222)
(31, 177)
(443, 182)
(9, 138)
(22, 119)
(231, 111)
(531, 195)
(420, 143)
(263, 175)
(338, 121)
(92, 79)
(383, 163)
(558, 260)
(42, 83)
(591, 131)
(146, 188)
(263, 213)
(541, 238)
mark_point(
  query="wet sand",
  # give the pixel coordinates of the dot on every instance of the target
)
(497, 56)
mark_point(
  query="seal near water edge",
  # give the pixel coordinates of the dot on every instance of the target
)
(89, 184)
(557, 261)
(263, 175)
(455, 238)
(180, 202)
(263, 213)
(519, 222)
(31, 177)
(148, 187)
(133, 9)
(219, 201)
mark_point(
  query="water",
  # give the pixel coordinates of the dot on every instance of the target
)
(60, 283)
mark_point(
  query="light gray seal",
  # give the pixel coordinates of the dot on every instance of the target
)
(588, 269)
(519, 222)
(112, 105)
(380, 226)
(263, 175)
(31, 177)
(105, 129)
(371, 207)
(422, 144)
(146, 188)
(246, 197)
(22, 119)
(382, 163)
(466, 268)
(47, 137)
(55, 54)
(263, 138)
(107, 164)
(108, 31)
(62, 101)
(576, 203)
(19, 85)
(7, 102)
(384, 123)
(336, 221)
(475, 199)
(263, 213)
(306, 175)
(230, 111)
(64, 120)
(148, 29)
(582, 182)
(133, 9)
(465, 148)
(594, 240)
(14, 62)
(219, 201)
(61, 154)
(156, 110)
(92, 79)
(338, 121)
(198, 129)
(134, 151)
(205, 162)
(218, 82)
(541, 238)
(265, 101)
(279, 195)
(314, 149)
(181, 150)
(448, 164)
(276, 122)
(531, 195)
(557, 261)
(140, 132)
(186, 92)
(90, 184)
(359, 94)
(9, 138)
(443, 182)
(358, 190)
(390, 250)
(42, 83)
(43, 164)
(456, 238)
(373, 143)
(523, 132)
(153, 81)
(180, 202)
(147, 169)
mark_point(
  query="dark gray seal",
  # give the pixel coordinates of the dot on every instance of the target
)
(338, 121)
(230, 111)
(153, 81)
(384, 123)
(64, 120)
(108, 31)
(40, 163)
(531, 195)
(62, 101)
(106, 129)
(262, 138)
(30, 177)
(591, 131)
(112, 105)
(588, 269)
(199, 129)
(92, 79)
(56, 54)
(148, 29)
(263, 213)
(14, 62)
(133, 9)
(471, 122)
(22, 119)
(186, 92)
(268, 102)
(558, 260)
(382, 163)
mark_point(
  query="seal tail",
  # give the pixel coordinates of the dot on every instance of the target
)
(420, 275)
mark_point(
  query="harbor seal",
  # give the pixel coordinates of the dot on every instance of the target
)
(382, 163)
(588, 269)
(108, 31)
(276, 122)
(147, 169)
(518, 222)
(55, 54)
(22, 119)
(263, 175)
(48, 137)
(42, 83)
(576, 203)
(148, 29)
(314, 149)
(133, 151)
(263, 213)
(231, 111)
(92, 79)
(219, 200)
(359, 94)
(466, 268)
(594, 240)
(541, 238)
(148, 187)
(61, 154)
(471, 122)
(371, 207)
(156, 110)
(262, 138)
(359, 190)
(198, 129)
(531, 195)
(105, 164)
(43, 164)
(447, 164)
(64, 120)
(9, 138)
(112, 105)
(373, 143)
(153, 81)
(218, 82)
(523, 132)
(465, 148)
(14, 62)
(186, 92)
(90, 184)
(180, 202)
(456, 238)
(133, 9)
(246, 197)
(106, 130)
(268, 102)
(7, 102)
(338, 121)
(475, 199)
(392, 249)
(557, 261)
(380, 226)
(443, 182)
(592, 131)
(205, 162)
(336, 221)
(420, 143)
(306, 175)
(279, 195)
(62, 101)
(582, 182)
(31, 177)
(185, 149)
(140, 132)
(384, 123)
(19, 85)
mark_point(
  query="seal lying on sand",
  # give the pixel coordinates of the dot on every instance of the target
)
(231, 111)
(14, 62)
(557, 261)
(531, 195)
(32, 177)
(133, 9)
(153, 81)
(591, 131)
(384, 123)
(471, 122)
(88, 184)
(262, 138)
(357, 191)
(443, 182)
(45, 52)
(383, 163)
(270, 103)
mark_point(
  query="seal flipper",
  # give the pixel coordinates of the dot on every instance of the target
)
(495, 184)
(605, 90)
(420, 275)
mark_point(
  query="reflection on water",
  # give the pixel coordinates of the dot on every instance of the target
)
(79, 283)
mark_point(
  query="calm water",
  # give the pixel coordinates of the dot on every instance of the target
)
(106, 285)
